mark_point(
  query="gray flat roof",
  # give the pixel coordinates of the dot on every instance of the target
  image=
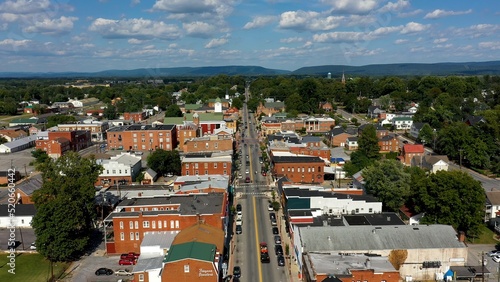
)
(341, 264)
(144, 264)
(388, 237)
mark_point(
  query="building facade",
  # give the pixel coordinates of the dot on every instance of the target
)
(300, 169)
(206, 164)
(142, 137)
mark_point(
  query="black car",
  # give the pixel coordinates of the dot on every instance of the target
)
(104, 271)
(281, 260)
(278, 249)
(276, 231)
(239, 230)
(272, 216)
(264, 257)
(238, 207)
(237, 272)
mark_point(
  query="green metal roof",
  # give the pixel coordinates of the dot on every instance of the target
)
(192, 106)
(191, 250)
(24, 120)
(402, 118)
(217, 100)
(189, 117)
(298, 204)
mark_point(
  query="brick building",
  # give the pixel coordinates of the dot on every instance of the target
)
(411, 151)
(318, 124)
(212, 143)
(206, 164)
(25, 189)
(192, 261)
(137, 117)
(185, 132)
(321, 152)
(56, 143)
(388, 143)
(134, 217)
(97, 129)
(142, 137)
(298, 169)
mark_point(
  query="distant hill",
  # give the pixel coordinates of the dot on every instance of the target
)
(155, 72)
(409, 69)
(470, 68)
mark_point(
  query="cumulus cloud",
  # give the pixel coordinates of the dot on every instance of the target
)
(259, 21)
(14, 43)
(410, 14)
(25, 6)
(440, 40)
(413, 27)
(52, 26)
(291, 40)
(491, 45)
(307, 20)
(436, 14)
(218, 7)
(135, 41)
(401, 41)
(394, 6)
(134, 28)
(352, 7)
(216, 42)
(199, 29)
(362, 52)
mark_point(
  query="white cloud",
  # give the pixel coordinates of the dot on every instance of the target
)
(410, 14)
(413, 27)
(25, 6)
(401, 41)
(52, 26)
(135, 41)
(134, 28)
(14, 43)
(135, 2)
(436, 14)
(199, 29)
(259, 21)
(183, 7)
(362, 52)
(352, 6)
(394, 6)
(216, 42)
(491, 45)
(307, 20)
(291, 39)
(440, 40)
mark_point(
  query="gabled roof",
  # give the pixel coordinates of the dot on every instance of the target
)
(472, 120)
(191, 250)
(31, 184)
(493, 197)
(418, 125)
(413, 148)
(201, 233)
(432, 159)
(151, 173)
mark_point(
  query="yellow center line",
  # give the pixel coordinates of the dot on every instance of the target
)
(259, 265)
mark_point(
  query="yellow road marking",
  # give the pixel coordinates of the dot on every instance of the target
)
(257, 239)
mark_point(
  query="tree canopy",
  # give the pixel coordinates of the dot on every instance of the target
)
(367, 152)
(173, 111)
(59, 119)
(163, 162)
(65, 214)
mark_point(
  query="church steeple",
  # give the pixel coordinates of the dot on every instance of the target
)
(343, 77)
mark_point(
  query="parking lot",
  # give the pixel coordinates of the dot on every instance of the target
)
(19, 160)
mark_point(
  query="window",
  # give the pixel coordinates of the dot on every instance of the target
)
(206, 165)
(215, 165)
(196, 172)
(107, 171)
(186, 268)
(225, 165)
(187, 166)
(206, 145)
(206, 172)
(137, 236)
(370, 210)
(225, 172)
(131, 236)
(172, 224)
(131, 225)
(126, 171)
(141, 277)
(120, 171)
(153, 224)
(136, 224)
(196, 145)
(357, 210)
(122, 236)
(121, 224)
(150, 134)
(114, 171)
(145, 224)
(196, 165)
(216, 145)
(159, 224)
(165, 223)
(177, 224)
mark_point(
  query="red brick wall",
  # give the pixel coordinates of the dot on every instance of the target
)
(340, 139)
(174, 271)
(185, 134)
(295, 176)
(323, 153)
(194, 146)
(136, 117)
(208, 167)
(368, 275)
(127, 139)
(127, 245)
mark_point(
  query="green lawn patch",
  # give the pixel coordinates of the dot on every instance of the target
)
(487, 237)
(29, 267)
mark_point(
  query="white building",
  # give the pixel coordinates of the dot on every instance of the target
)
(435, 163)
(124, 166)
(402, 123)
(18, 145)
(22, 219)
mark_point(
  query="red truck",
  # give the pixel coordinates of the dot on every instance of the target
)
(264, 253)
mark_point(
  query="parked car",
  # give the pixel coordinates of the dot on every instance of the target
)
(103, 271)
(247, 179)
(237, 271)
(272, 215)
(496, 258)
(276, 231)
(278, 249)
(239, 230)
(33, 246)
(130, 255)
(494, 253)
(239, 222)
(270, 207)
(126, 262)
(277, 239)
(123, 272)
(281, 260)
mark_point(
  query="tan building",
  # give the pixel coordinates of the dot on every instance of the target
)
(97, 129)
(212, 143)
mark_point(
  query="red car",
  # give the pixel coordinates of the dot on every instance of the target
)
(129, 256)
(126, 262)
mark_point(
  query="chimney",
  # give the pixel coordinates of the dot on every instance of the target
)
(368, 263)
(461, 236)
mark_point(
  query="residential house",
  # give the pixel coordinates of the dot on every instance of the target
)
(24, 189)
(326, 106)
(415, 129)
(298, 169)
(142, 137)
(473, 120)
(412, 154)
(492, 210)
(388, 143)
(150, 176)
(402, 123)
(351, 143)
(120, 169)
(206, 163)
(338, 136)
(133, 217)
(374, 111)
(435, 163)
(136, 117)
(22, 219)
(415, 245)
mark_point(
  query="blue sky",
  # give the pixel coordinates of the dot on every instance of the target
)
(94, 35)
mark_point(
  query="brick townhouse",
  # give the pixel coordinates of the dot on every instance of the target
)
(134, 217)
(135, 116)
(142, 137)
(56, 143)
(206, 164)
(97, 129)
(212, 143)
(299, 169)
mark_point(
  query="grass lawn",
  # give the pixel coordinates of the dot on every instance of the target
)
(487, 237)
(29, 267)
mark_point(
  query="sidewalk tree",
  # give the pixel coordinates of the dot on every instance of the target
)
(65, 215)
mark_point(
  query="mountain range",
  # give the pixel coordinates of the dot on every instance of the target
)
(399, 69)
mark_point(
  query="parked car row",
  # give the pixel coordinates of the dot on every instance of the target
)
(107, 271)
(128, 259)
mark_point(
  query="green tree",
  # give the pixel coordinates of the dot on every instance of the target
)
(451, 197)
(65, 214)
(237, 103)
(388, 181)
(426, 134)
(59, 119)
(110, 112)
(163, 162)
(368, 143)
(40, 156)
(3, 140)
(173, 111)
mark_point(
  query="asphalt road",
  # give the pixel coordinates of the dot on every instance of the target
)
(24, 235)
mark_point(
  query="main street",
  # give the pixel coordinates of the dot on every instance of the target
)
(256, 226)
